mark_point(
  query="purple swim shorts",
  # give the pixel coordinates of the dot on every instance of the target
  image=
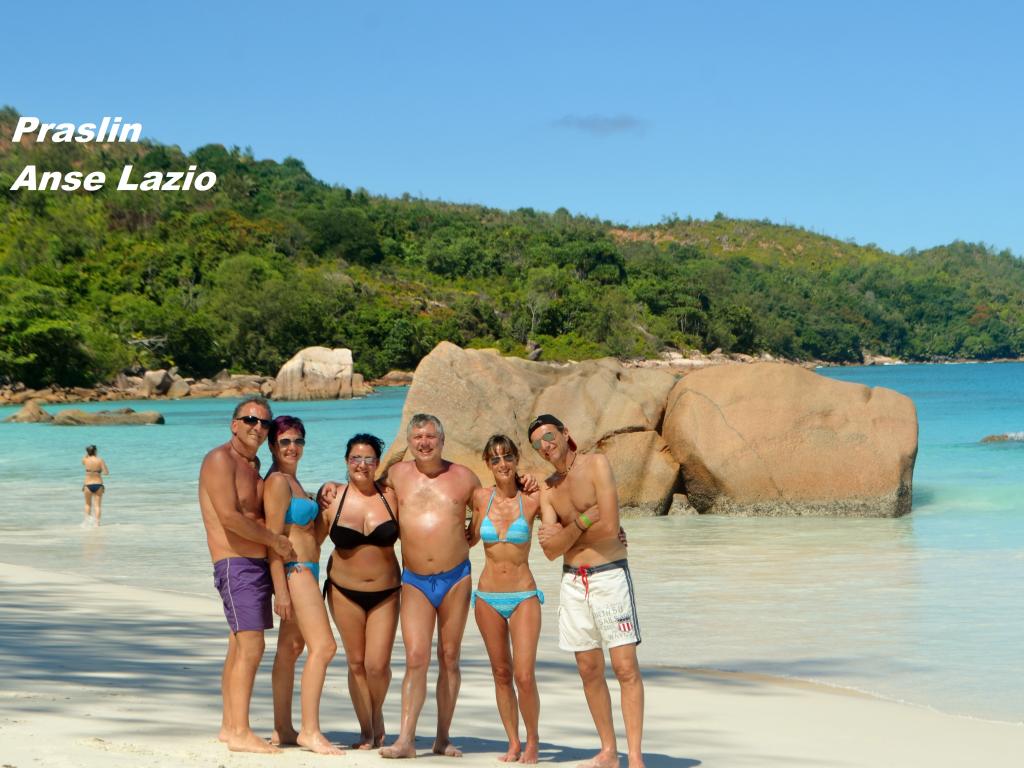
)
(245, 586)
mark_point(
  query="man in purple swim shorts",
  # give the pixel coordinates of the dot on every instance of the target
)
(236, 532)
(245, 587)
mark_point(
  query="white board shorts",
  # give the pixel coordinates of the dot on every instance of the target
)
(597, 607)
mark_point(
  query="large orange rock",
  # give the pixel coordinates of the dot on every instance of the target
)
(645, 472)
(774, 439)
(477, 393)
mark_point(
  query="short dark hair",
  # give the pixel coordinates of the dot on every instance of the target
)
(364, 438)
(283, 424)
(90, 450)
(259, 400)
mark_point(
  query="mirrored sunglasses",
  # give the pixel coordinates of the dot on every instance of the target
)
(547, 437)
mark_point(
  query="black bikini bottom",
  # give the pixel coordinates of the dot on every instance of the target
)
(365, 600)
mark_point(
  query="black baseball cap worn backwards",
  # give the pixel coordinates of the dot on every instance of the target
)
(544, 418)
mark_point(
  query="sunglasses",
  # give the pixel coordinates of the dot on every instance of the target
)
(547, 437)
(252, 421)
(284, 442)
(355, 461)
(496, 460)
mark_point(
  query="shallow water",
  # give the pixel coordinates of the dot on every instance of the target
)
(927, 609)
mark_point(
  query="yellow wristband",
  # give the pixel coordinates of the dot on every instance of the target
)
(586, 521)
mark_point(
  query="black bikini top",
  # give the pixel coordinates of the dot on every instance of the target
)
(384, 535)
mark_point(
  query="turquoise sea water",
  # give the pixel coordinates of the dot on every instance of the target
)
(927, 609)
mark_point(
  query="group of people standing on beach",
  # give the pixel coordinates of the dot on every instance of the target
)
(265, 531)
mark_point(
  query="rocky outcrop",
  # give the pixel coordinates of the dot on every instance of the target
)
(74, 417)
(645, 472)
(477, 393)
(179, 388)
(773, 439)
(1006, 437)
(319, 373)
(161, 384)
(225, 384)
(30, 413)
(122, 416)
(156, 383)
(761, 439)
(394, 379)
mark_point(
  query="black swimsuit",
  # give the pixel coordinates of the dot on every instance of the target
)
(345, 538)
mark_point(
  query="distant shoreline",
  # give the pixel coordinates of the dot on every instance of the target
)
(246, 385)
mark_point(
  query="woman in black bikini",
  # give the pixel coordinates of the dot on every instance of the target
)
(364, 582)
(92, 488)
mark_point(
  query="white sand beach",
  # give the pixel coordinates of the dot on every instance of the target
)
(96, 674)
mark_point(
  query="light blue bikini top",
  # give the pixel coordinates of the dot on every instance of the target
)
(518, 532)
(301, 511)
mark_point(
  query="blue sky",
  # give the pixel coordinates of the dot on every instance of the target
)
(893, 123)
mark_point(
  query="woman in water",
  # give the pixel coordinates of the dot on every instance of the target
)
(507, 601)
(92, 489)
(364, 581)
(304, 622)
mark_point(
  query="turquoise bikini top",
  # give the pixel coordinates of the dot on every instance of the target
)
(301, 511)
(518, 532)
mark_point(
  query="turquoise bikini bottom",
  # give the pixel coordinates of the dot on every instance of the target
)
(506, 603)
(296, 567)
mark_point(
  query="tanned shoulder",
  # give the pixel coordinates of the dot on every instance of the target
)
(217, 459)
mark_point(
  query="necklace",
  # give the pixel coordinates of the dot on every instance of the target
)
(571, 464)
(252, 461)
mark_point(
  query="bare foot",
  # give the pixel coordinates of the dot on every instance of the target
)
(636, 762)
(378, 729)
(603, 759)
(365, 742)
(529, 754)
(398, 750)
(224, 735)
(250, 742)
(446, 748)
(284, 736)
(512, 756)
(317, 742)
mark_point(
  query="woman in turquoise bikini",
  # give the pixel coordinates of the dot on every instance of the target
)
(304, 621)
(507, 601)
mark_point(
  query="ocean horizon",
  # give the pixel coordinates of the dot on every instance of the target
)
(924, 609)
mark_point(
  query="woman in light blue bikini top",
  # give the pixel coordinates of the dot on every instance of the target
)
(518, 531)
(297, 600)
(507, 597)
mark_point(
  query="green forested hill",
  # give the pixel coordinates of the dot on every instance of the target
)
(272, 260)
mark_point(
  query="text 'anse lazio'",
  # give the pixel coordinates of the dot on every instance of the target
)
(108, 130)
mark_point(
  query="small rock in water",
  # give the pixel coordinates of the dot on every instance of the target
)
(1007, 437)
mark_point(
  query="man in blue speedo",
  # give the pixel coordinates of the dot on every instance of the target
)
(432, 498)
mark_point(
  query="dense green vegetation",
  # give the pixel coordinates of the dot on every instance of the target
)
(272, 260)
